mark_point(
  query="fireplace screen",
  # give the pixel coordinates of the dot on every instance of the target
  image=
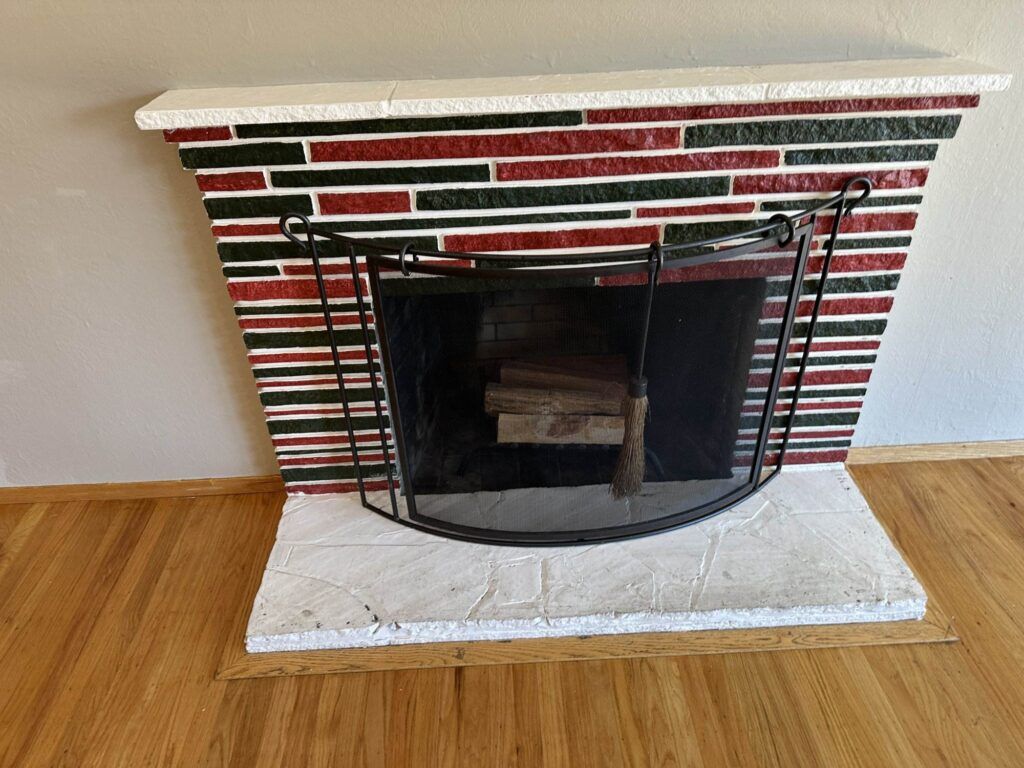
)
(541, 399)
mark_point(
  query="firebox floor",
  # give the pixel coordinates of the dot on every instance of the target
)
(805, 550)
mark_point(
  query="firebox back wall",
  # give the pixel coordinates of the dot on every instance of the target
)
(561, 181)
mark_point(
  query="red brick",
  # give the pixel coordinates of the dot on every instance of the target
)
(829, 106)
(827, 182)
(814, 377)
(695, 210)
(808, 457)
(240, 230)
(869, 306)
(369, 485)
(364, 202)
(260, 290)
(894, 221)
(497, 145)
(212, 133)
(570, 238)
(627, 166)
(231, 182)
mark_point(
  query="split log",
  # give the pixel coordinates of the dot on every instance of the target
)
(503, 398)
(538, 376)
(560, 429)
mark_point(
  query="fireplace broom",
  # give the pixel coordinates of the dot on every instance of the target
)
(632, 463)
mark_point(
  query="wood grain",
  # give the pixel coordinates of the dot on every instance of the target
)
(152, 489)
(560, 430)
(500, 398)
(887, 454)
(114, 617)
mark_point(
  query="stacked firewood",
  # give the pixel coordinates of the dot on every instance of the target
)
(559, 400)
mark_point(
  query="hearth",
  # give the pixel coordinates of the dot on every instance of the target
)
(506, 379)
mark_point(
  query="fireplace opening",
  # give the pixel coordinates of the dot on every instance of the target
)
(515, 388)
(483, 377)
(510, 398)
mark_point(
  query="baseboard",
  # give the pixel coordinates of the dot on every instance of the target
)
(890, 454)
(223, 486)
(154, 489)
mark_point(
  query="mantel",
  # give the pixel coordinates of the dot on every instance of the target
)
(188, 108)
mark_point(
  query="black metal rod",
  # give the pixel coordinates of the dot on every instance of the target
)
(332, 341)
(368, 348)
(839, 202)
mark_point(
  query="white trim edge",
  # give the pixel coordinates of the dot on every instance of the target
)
(189, 108)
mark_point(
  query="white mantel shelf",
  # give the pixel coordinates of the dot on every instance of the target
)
(188, 108)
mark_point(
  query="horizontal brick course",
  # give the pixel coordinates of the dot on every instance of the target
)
(211, 133)
(227, 156)
(355, 177)
(779, 108)
(364, 202)
(412, 124)
(256, 205)
(628, 166)
(231, 182)
(496, 145)
(581, 194)
(827, 181)
(695, 210)
(289, 289)
(570, 238)
(822, 131)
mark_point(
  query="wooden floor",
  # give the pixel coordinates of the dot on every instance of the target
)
(114, 614)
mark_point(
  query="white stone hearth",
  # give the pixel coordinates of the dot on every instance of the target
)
(805, 550)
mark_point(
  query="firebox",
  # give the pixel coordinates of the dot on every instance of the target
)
(514, 392)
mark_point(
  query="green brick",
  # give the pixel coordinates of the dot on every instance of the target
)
(458, 222)
(273, 250)
(317, 396)
(835, 284)
(826, 328)
(828, 419)
(241, 155)
(571, 194)
(302, 426)
(256, 206)
(334, 472)
(411, 125)
(874, 201)
(280, 339)
(852, 243)
(817, 394)
(777, 132)
(801, 445)
(702, 230)
(900, 153)
(251, 272)
(839, 360)
(355, 177)
(283, 372)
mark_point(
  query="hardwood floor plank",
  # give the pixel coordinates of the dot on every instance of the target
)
(116, 615)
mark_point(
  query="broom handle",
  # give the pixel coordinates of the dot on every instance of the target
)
(638, 382)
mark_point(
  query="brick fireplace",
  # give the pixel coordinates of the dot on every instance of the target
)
(558, 165)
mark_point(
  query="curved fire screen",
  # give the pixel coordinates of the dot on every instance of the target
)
(559, 399)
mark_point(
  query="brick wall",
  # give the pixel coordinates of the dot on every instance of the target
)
(568, 181)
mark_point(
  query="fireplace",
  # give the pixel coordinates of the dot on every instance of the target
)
(507, 380)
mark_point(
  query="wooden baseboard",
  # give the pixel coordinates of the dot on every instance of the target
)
(156, 489)
(890, 454)
(935, 627)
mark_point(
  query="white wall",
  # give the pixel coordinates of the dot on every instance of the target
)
(119, 355)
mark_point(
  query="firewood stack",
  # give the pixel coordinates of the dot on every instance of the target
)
(559, 400)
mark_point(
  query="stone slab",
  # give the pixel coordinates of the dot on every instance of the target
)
(805, 550)
(185, 108)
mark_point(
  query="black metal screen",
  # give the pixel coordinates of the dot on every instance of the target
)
(500, 409)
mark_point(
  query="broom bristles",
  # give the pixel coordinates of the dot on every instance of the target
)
(629, 472)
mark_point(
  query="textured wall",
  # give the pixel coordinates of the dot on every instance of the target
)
(119, 356)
